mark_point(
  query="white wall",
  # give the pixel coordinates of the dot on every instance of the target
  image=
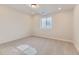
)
(13, 24)
(61, 30)
(76, 26)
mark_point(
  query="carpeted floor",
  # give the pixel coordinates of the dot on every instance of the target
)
(42, 45)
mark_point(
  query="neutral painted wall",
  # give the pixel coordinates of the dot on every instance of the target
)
(62, 27)
(76, 26)
(13, 24)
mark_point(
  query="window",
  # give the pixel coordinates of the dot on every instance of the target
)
(46, 23)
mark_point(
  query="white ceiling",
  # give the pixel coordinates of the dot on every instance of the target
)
(43, 9)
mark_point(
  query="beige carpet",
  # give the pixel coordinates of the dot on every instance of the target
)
(43, 47)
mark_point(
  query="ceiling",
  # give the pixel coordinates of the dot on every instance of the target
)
(43, 8)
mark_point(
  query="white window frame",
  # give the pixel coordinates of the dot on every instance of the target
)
(45, 21)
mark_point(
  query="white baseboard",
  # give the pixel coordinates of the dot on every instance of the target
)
(54, 38)
(15, 39)
(77, 48)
